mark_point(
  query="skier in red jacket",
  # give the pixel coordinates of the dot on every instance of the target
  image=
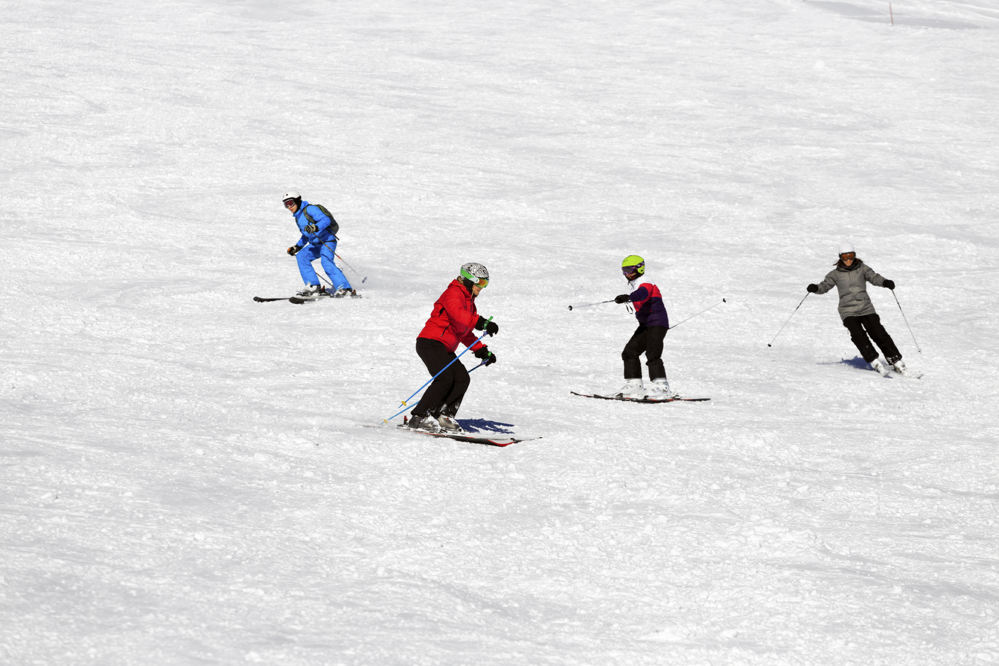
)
(453, 320)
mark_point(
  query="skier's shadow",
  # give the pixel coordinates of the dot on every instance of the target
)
(856, 362)
(485, 425)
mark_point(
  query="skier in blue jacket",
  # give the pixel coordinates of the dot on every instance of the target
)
(318, 241)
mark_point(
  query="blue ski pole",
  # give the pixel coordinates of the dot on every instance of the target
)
(405, 402)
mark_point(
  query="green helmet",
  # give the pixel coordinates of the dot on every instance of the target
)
(633, 266)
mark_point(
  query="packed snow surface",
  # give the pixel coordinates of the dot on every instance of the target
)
(185, 475)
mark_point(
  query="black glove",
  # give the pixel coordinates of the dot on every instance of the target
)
(889, 284)
(485, 355)
(491, 327)
(311, 228)
(293, 250)
(812, 288)
(623, 298)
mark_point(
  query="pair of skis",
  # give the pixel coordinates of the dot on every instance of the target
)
(297, 300)
(645, 399)
(889, 373)
(498, 440)
(507, 441)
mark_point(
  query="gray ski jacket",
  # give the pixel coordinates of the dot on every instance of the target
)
(852, 285)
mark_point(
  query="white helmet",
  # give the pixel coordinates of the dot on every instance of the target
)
(846, 246)
(291, 194)
(475, 273)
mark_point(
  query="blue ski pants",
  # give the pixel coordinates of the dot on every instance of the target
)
(325, 252)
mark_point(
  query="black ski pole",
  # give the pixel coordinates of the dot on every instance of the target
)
(697, 314)
(771, 343)
(364, 278)
(589, 305)
(324, 279)
(906, 320)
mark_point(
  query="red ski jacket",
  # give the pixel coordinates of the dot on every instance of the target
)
(453, 319)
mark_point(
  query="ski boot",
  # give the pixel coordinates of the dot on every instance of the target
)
(311, 291)
(659, 390)
(897, 364)
(425, 423)
(879, 367)
(632, 389)
(449, 424)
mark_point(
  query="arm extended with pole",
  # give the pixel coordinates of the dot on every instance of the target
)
(405, 402)
(590, 305)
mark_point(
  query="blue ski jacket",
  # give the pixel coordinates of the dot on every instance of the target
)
(326, 227)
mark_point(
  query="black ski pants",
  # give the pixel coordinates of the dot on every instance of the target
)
(870, 325)
(646, 340)
(447, 391)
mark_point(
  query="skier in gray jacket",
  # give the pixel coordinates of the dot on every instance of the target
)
(850, 277)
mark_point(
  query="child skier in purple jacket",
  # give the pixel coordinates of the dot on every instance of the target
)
(653, 322)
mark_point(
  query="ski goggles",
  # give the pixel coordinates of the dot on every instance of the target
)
(631, 270)
(848, 255)
(481, 284)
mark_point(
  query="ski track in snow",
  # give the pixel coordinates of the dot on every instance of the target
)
(185, 478)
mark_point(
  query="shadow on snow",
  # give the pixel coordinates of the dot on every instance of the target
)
(485, 425)
(856, 362)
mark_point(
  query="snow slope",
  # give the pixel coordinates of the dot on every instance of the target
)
(185, 477)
